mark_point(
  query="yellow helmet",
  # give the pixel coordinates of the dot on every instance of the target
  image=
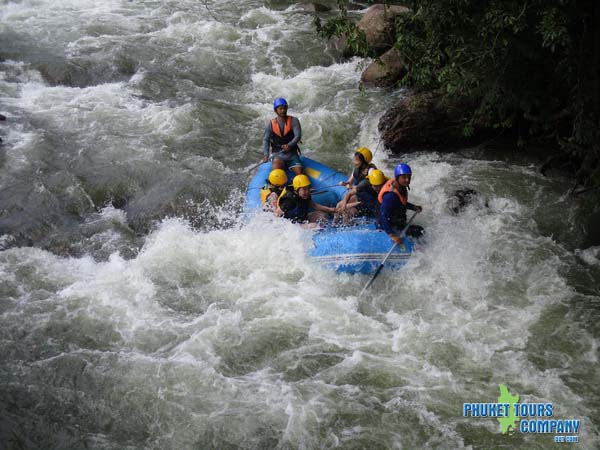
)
(366, 154)
(300, 181)
(277, 177)
(376, 177)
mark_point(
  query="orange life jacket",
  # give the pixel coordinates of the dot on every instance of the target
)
(275, 126)
(389, 187)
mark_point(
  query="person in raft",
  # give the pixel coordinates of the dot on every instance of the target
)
(366, 193)
(362, 167)
(273, 188)
(393, 200)
(295, 203)
(280, 139)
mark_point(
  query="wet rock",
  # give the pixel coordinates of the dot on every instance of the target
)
(17, 240)
(559, 164)
(356, 6)
(378, 25)
(339, 43)
(386, 71)
(2, 119)
(462, 198)
(426, 121)
(62, 248)
(119, 201)
(7, 241)
(62, 73)
(313, 8)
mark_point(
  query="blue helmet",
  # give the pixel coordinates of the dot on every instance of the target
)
(402, 169)
(279, 102)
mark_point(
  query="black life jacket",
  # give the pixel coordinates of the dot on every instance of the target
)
(360, 173)
(294, 207)
(369, 204)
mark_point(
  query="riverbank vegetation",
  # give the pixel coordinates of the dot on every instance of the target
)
(529, 69)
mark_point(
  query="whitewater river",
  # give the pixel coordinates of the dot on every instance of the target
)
(138, 310)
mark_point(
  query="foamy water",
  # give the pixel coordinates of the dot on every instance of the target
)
(168, 321)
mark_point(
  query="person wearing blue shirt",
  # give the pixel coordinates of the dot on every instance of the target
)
(393, 198)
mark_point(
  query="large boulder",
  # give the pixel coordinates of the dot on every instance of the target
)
(378, 26)
(463, 198)
(386, 71)
(60, 72)
(425, 121)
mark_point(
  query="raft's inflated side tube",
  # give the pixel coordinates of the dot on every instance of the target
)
(358, 249)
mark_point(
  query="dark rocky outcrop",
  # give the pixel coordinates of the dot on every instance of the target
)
(462, 198)
(62, 73)
(424, 121)
(2, 119)
(313, 8)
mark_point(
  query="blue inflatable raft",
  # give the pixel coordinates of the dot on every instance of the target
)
(358, 248)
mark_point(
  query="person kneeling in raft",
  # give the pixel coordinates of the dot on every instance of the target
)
(393, 198)
(365, 193)
(362, 167)
(270, 192)
(295, 203)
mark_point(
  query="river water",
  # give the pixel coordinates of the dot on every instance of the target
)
(138, 310)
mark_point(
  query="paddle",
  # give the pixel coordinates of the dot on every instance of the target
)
(249, 169)
(253, 167)
(323, 189)
(368, 285)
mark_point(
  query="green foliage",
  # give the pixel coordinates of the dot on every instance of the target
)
(341, 26)
(533, 65)
(490, 53)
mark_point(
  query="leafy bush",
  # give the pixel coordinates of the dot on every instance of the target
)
(532, 65)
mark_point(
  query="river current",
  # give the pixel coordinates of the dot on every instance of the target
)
(139, 310)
